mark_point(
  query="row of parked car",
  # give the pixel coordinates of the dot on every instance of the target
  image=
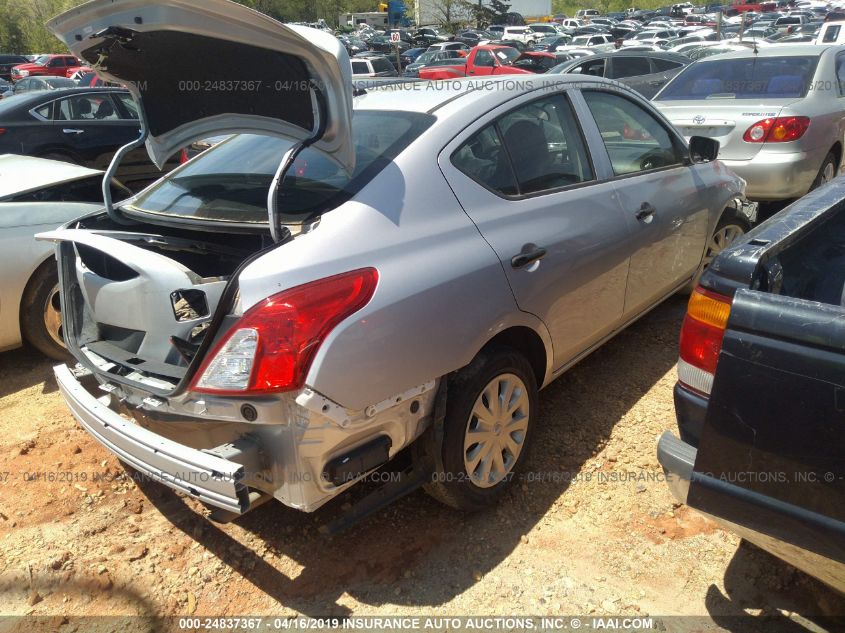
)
(266, 321)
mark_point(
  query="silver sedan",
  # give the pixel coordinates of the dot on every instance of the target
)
(436, 254)
(777, 113)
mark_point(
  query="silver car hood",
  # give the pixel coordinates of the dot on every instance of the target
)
(199, 69)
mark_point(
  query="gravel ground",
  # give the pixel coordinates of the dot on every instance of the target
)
(589, 529)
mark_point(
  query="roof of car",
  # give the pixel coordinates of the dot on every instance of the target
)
(639, 53)
(20, 174)
(781, 50)
(429, 96)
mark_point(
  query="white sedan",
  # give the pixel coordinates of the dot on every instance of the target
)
(37, 194)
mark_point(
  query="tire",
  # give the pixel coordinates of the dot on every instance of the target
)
(827, 171)
(40, 314)
(731, 226)
(494, 370)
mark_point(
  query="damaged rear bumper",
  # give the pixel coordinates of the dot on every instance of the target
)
(211, 479)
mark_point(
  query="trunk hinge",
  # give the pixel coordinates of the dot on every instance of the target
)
(118, 36)
(287, 160)
(115, 162)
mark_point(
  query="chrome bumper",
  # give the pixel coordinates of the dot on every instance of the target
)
(208, 478)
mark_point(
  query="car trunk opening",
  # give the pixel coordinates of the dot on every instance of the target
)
(142, 307)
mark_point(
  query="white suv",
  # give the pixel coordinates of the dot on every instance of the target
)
(373, 66)
(521, 34)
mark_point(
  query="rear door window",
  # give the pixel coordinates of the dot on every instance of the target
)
(594, 68)
(85, 107)
(622, 67)
(535, 148)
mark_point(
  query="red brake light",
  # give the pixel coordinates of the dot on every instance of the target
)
(271, 347)
(701, 338)
(777, 130)
(2, 131)
(183, 157)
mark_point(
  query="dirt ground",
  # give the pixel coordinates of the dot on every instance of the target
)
(563, 541)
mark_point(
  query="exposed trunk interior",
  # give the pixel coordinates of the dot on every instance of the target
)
(140, 299)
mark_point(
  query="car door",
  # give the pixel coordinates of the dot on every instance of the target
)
(57, 66)
(484, 63)
(657, 187)
(89, 125)
(524, 175)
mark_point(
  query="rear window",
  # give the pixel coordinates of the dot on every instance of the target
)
(360, 68)
(749, 78)
(380, 65)
(229, 182)
(831, 34)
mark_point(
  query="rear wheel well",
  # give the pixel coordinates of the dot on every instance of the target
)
(528, 343)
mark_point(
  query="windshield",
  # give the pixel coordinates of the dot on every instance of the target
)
(583, 39)
(506, 55)
(229, 182)
(42, 61)
(426, 57)
(749, 78)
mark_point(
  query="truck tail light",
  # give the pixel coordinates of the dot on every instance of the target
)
(777, 130)
(701, 339)
(271, 347)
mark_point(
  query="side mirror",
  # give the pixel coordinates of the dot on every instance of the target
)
(703, 149)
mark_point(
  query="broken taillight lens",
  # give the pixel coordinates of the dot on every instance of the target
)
(271, 347)
(701, 339)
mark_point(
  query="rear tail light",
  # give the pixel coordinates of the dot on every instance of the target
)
(701, 339)
(183, 157)
(2, 129)
(777, 130)
(271, 347)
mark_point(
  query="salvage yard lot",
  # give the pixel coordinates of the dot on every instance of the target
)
(610, 542)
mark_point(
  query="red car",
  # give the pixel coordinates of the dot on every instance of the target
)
(482, 60)
(55, 65)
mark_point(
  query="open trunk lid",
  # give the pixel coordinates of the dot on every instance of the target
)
(200, 69)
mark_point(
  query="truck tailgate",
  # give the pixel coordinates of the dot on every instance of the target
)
(777, 409)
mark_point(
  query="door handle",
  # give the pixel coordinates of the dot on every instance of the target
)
(68, 130)
(646, 211)
(530, 254)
